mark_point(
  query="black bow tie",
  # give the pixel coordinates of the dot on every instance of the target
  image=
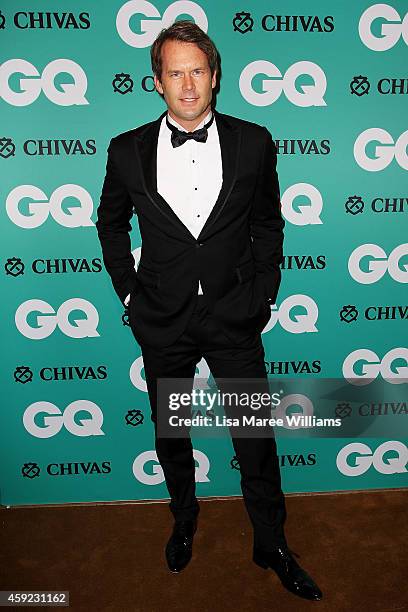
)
(178, 137)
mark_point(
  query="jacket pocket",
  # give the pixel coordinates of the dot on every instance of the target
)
(245, 271)
(147, 277)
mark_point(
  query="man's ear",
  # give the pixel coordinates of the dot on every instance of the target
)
(214, 79)
(158, 85)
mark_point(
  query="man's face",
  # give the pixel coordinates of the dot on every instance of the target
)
(186, 82)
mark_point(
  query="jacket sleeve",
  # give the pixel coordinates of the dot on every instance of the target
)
(266, 221)
(113, 226)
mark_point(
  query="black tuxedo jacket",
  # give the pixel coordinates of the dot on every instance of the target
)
(236, 257)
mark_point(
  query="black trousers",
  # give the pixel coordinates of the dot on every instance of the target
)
(259, 465)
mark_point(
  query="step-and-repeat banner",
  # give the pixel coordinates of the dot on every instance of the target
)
(330, 82)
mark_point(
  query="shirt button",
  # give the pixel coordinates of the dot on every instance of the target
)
(195, 188)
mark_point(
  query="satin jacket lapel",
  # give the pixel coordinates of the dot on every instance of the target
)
(146, 150)
(230, 144)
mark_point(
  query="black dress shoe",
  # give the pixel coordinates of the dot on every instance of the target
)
(292, 576)
(179, 547)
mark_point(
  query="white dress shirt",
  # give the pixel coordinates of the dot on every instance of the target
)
(189, 177)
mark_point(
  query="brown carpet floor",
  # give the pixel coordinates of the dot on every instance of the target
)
(111, 556)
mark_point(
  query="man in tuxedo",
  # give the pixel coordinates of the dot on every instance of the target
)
(205, 191)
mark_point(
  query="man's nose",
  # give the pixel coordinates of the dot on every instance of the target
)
(188, 82)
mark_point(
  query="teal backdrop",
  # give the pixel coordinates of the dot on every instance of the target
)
(329, 80)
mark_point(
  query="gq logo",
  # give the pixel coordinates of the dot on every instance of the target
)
(365, 458)
(378, 263)
(305, 214)
(41, 206)
(373, 366)
(156, 475)
(200, 380)
(293, 399)
(152, 26)
(300, 323)
(389, 33)
(48, 320)
(384, 153)
(310, 95)
(71, 94)
(56, 420)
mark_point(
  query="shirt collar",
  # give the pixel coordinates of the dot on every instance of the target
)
(200, 125)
